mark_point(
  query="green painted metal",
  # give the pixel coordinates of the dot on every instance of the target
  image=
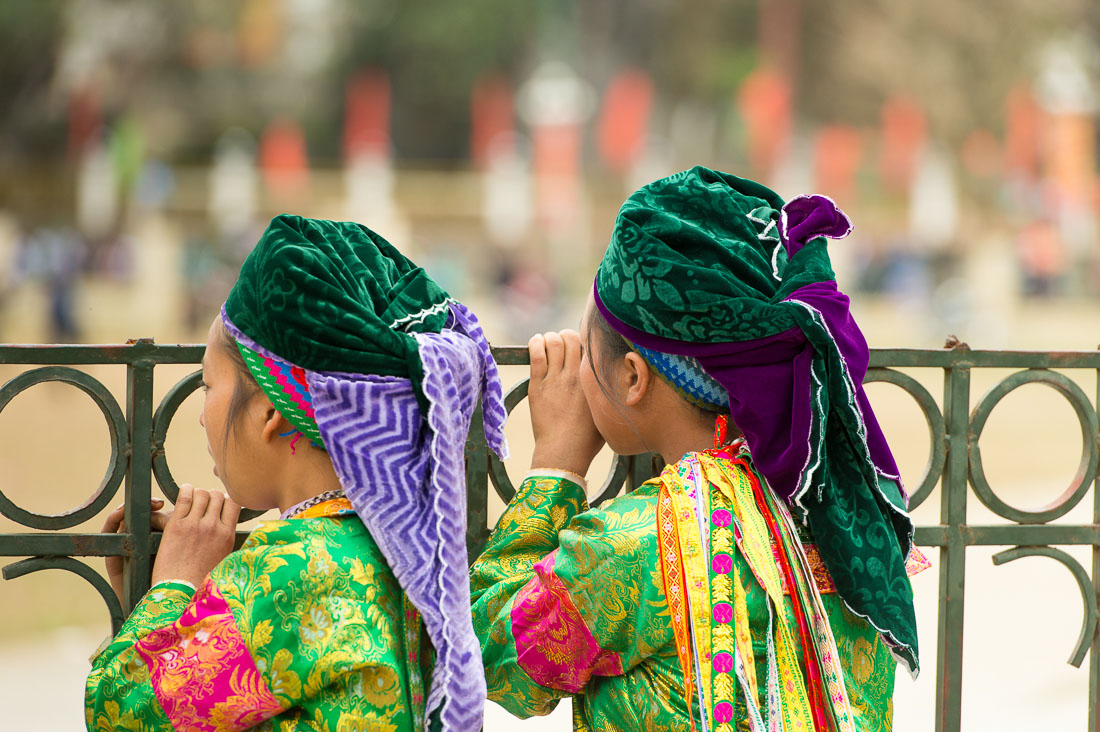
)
(1086, 415)
(937, 456)
(116, 428)
(138, 457)
(1088, 595)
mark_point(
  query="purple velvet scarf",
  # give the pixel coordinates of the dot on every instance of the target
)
(775, 393)
(404, 473)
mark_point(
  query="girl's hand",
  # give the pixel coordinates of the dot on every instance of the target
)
(565, 435)
(198, 535)
(114, 525)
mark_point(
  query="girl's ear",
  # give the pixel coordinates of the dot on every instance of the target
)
(274, 425)
(635, 380)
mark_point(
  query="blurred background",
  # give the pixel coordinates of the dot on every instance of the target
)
(144, 146)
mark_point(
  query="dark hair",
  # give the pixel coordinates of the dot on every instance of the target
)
(245, 390)
(612, 347)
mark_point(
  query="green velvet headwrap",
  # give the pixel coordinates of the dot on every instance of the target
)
(335, 296)
(717, 268)
(694, 257)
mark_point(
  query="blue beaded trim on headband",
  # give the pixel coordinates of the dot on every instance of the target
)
(688, 377)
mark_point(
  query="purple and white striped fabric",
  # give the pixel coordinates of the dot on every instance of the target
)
(405, 475)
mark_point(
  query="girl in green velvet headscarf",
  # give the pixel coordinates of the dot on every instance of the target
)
(339, 385)
(760, 581)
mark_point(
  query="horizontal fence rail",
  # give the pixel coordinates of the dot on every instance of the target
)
(138, 428)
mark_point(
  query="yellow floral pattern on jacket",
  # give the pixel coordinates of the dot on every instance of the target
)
(319, 613)
(608, 561)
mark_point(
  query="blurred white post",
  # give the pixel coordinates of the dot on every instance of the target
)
(233, 183)
(555, 102)
(508, 192)
(369, 197)
(97, 199)
(934, 200)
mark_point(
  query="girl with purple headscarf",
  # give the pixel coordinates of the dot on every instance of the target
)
(760, 582)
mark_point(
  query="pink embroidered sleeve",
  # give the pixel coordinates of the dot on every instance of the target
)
(553, 644)
(179, 662)
(563, 596)
(201, 671)
(117, 694)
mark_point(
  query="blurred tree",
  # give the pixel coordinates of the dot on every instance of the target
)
(187, 70)
(701, 55)
(31, 32)
(958, 60)
(433, 52)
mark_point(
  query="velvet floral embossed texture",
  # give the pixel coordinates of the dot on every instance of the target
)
(336, 296)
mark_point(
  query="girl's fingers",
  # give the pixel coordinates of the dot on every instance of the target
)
(200, 499)
(213, 513)
(231, 511)
(114, 520)
(184, 501)
(536, 347)
(555, 352)
(572, 341)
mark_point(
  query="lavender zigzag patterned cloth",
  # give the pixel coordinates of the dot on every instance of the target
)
(405, 477)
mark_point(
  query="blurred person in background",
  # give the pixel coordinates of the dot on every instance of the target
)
(339, 386)
(199, 272)
(55, 255)
(1042, 258)
(761, 582)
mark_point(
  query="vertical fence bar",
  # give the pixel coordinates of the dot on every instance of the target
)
(641, 468)
(139, 417)
(1094, 652)
(477, 487)
(949, 656)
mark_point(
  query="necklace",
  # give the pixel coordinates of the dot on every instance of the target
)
(311, 502)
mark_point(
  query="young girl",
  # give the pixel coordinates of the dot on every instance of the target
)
(339, 383)
(761, 581)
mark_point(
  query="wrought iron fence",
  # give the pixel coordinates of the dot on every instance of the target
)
(138, 458)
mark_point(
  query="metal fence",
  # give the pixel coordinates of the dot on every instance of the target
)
(138, 457)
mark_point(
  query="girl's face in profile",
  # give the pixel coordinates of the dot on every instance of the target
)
(218, 385)
(604, 393)
(235, 448)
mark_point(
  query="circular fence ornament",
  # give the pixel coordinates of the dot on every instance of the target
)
(117, 431)
(1086, 470)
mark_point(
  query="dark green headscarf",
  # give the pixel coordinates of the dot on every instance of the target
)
(716, 268)
(335, 296)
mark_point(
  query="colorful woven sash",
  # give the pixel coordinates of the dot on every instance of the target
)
(715, 516)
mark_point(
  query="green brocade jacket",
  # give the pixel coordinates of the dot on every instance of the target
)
(569, 600)
(303, 628)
